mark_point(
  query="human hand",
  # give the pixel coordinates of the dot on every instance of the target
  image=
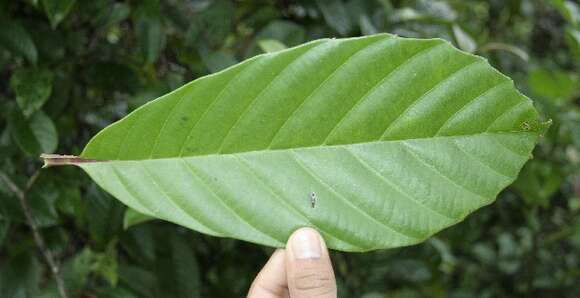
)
(303, 269)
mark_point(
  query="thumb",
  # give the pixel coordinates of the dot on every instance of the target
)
(308, 268)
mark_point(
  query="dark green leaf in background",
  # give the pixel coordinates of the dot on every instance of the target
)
(51, 44)
(169, 266)
(366, 25)
(32, 87)
(77, 269)
(111, 16)
(573, 40)
(105, 216)
(20, 276)
(112, 76)
(464, 41)
(34, 135)
(41, 201)
(176, 267)
(208, 33)
(216, 22)
(216, 60)
(4, 227)
(288, 33)
(150, 30)
(57, 10)
(362, 13)
(556, 85)
(271, 45)
(335, 15)
(569, 9)
(139, 280)
(538, 182)
(16, 39)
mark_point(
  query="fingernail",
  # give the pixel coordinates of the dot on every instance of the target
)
(306, 244)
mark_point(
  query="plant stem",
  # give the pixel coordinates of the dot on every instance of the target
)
(49, 258)
(59, 160)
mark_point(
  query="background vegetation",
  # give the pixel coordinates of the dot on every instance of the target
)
(68, 68)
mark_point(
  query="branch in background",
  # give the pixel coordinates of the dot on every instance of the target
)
(21, 195)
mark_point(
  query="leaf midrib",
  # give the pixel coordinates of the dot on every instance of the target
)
(325, 146)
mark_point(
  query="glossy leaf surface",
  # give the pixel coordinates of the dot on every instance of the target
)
(395, 138)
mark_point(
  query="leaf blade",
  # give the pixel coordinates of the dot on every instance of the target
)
(386, 131)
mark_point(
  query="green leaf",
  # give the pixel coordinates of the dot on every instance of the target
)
(57, 10)
(463, 39)
(286, 32)
(556, 85)
(113, 76)
(32, 88)
(77, 269)
(176, 267)
(113, 16)
(395, 139)
(173, 269)
(41, 201)
(335, 15)
(16, 39)
(366, 25)
(34, 135)
(216, 60)
(150, 30)
(106, 264)
(51, 44)
(217, 22)
(271, 45)
(133, 217)
(20, 276)
(573, 40)
(139, 242)
(538, 182)
(434, 12)
(4, 227)
(106, 216)
(569, 10)
(361, 13)
(137, 279)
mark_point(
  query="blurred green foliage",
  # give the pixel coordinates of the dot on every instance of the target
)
(70, 67)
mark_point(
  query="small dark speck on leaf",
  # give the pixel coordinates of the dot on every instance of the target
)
(313, 199)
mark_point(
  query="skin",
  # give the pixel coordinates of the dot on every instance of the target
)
(302, 269)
